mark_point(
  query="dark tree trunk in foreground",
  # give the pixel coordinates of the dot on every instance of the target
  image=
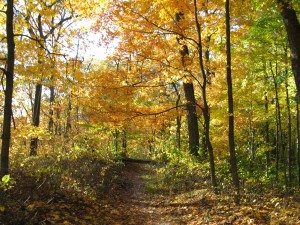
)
(292, 26)
(36, 117)
(6, 133)
(233, 163)
(193, 129)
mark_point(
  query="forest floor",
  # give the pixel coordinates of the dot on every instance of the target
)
(134, 200)
(133, 203)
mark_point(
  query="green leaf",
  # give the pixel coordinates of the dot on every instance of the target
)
(6, 178)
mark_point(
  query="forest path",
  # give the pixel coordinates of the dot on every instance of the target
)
(133, 204)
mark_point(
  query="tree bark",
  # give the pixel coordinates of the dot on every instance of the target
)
(36, 117)
(69, 124)
(10, 64)
(124, 140)
(292, 26)
(51, 111)
(178, 118)
(116, 140)
(193, 129)
(233, 161)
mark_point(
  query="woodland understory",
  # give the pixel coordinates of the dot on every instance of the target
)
(150, 112)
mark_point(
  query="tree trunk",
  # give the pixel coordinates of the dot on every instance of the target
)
(233, 161)
(178, 118)
(116, 140)
(10, 64)
(58, 126)
(292, 26)
(124, 140)
(298, 140)
(289, 147)
(193, 129)
(267, 137)
(51, 111)
(252, 148)
(36, 117)
(279, 133)
(278, 122)
(124, 143)
(210, 150)
(205, 109)
(69, 124)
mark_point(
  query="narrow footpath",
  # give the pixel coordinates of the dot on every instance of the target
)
(133, 204)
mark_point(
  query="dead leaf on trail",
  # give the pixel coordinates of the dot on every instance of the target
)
(2, 209)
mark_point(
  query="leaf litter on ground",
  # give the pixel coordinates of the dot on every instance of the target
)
(129, 201)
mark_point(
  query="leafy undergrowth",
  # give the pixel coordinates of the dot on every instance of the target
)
(58, 189)
(88, 190)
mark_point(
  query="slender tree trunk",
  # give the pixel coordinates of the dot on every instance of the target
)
(178, 118)
(233, 162)
(77, 127)
(69, 124)
(252, 148)
(279, 133)
(10, 64)
(58, 126)
(289, 147)
(124, 140)
(267, 137)
(36, 117)
(298, 140)
(252, 140)
(116, 141)
(269, 153)
(205, 109)
(178, 131)
(210, 151)
(278, 123)
(51, 111)
(292, 26)
(290, 150)
(124, 144)
(277, 142)
(203, 141)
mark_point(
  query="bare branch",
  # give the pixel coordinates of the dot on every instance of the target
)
(3, 70)
(158, 113)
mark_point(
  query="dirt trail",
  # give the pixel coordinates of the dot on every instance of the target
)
(132, 203)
